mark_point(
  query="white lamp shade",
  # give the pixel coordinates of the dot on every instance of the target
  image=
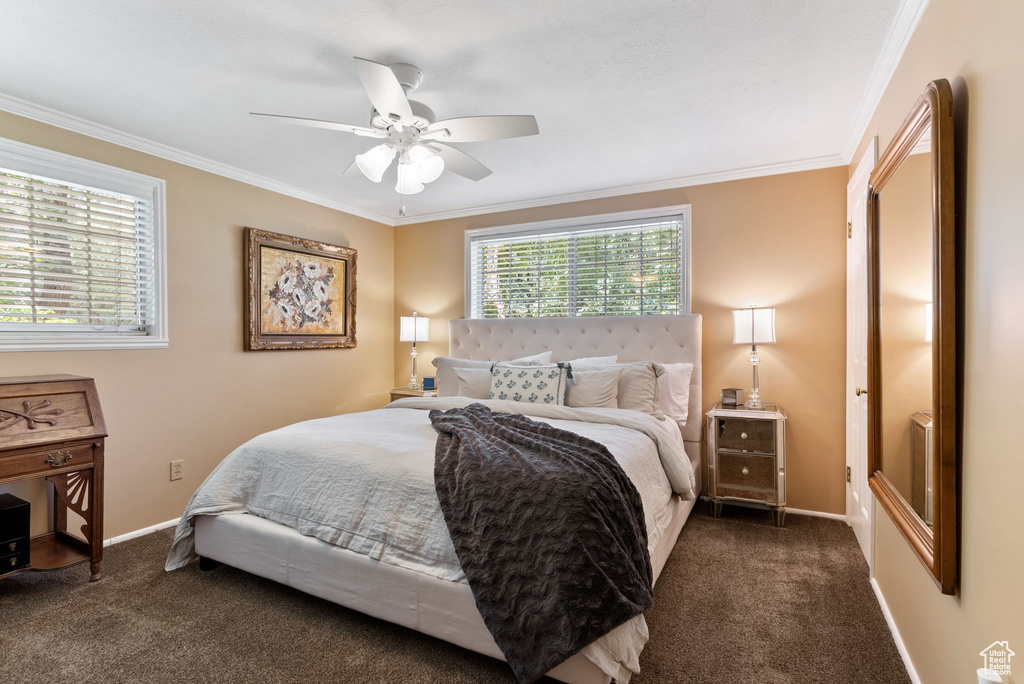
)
(408, 180)
(753, 326)
(375, 161)
(428, 164)
(414, 329)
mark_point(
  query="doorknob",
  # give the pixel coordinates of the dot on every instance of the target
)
(860, 391)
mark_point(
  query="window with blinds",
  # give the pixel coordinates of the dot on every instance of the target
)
(76, 259)
(631, 267)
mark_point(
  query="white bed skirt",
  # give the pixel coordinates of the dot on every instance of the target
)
(437, 607)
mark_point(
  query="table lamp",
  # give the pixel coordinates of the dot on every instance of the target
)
(753, 326)
(414, 329)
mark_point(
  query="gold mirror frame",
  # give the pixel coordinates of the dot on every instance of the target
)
(938, 548)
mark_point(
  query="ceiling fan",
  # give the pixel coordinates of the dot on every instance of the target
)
(411, 133)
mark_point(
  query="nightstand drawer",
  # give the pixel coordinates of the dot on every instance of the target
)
(747, 434)
(743, 471)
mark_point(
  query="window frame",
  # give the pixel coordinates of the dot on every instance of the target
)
(539, 228)
(38, 161)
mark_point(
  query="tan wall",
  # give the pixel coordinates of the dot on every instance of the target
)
(976, 46)
(203, 396)
(906, 286)
(777, 241)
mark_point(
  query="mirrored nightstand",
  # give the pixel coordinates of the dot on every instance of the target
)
(747, 459)
(403, 392)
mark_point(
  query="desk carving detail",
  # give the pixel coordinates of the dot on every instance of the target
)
(31, 416)
(73, 491)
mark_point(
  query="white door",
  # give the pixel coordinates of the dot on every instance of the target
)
(858, 495)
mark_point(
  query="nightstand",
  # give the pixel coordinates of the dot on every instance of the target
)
(403, 392)
(747, 459)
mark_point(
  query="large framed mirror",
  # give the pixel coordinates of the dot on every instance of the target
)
(912, 372)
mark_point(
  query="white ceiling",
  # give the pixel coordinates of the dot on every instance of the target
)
(625, 93)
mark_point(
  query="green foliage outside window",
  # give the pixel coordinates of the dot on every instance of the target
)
(633, 271)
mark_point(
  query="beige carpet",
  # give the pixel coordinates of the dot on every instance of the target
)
(738, 601)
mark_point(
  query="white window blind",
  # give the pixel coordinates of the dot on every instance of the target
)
(631, 267)
(74, 257)
(81, 253)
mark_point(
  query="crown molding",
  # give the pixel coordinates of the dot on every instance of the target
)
(908, 16)
(76, 124)
(810, 164)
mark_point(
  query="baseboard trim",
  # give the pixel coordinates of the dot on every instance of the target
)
(815, 514)
(895, 633)
(138, 533)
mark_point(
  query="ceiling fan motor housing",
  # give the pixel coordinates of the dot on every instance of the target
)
(424, 116)
(408, 76)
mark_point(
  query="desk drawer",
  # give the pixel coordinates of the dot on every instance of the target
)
(43, 462)
(747, 434)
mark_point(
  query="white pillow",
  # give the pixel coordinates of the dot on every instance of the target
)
(674, 389)
(532, 384)
(597, 388)
(638, 388)
(474, 382)
(588, 362)
(448, 384)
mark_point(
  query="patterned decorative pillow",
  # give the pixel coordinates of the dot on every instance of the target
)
(539, 384)
(448, 384)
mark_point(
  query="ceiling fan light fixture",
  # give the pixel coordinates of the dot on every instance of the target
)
(408, 179)
(411, 132)
(429, 164)
(375, 161)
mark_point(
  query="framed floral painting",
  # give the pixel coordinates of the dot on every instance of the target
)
(301, 294)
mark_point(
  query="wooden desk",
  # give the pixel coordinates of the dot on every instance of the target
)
(51, 426)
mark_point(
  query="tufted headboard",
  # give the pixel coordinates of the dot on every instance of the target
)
(664, 339)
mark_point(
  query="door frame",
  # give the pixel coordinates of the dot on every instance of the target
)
(856, 405)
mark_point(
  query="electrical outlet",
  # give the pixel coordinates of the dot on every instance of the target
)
(176, 469)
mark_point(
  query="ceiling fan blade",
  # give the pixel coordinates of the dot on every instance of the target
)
(474, 128)
(329, 125)
(385, 92)
(457, 161)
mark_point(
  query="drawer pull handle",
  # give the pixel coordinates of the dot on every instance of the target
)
(12, 546)
(58, 459)
(743, 435)
(746, 471)
(14, 561)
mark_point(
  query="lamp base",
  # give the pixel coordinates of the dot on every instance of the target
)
(754, 401)
(414, 383)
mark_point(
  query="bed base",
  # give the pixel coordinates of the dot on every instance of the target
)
(436, 607)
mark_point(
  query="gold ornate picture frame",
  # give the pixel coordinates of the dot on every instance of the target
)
(300, 294)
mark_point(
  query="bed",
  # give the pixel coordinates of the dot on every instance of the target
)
(430, 600)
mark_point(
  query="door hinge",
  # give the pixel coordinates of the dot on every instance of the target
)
(849, 229)
(847, 473)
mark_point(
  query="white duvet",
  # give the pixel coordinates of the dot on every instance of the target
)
(365, 482)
